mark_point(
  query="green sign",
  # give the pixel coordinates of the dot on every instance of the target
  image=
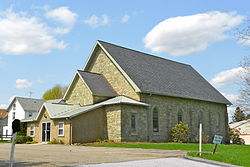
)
(217, 139)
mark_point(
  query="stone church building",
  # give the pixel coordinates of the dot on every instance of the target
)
(126, 95)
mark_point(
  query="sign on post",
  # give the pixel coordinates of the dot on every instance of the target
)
(217, 140)
(15, 128)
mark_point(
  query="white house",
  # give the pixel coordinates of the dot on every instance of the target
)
(244, 128)
(21, 108)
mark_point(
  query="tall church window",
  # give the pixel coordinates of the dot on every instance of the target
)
(179, 116)
(217, 120)
(133, 123)
(155, 120)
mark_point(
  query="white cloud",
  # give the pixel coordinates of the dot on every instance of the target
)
(62, 15)
(22, 83)
(95, 21)
(228, 77)
(23, 34)
(231, 97)
(3, 106)
(184, 35)
(125, 18)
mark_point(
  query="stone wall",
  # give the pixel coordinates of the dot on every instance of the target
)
(103, 65)
(113, 116)
(141, 123)
(54, 128)
(79, 94)
(213, 116)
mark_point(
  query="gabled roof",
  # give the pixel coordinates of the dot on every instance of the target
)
(28, 104)
(97, 83)
(156, 75)
(57, 111)
(237, 124)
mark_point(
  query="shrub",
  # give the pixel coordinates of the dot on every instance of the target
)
(235, 136)
(23, 139)
(180, 133)
(98, 140)
(55, 141)
(31, 142)
(205, 138)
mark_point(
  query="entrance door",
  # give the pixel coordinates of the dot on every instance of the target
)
(45, 131)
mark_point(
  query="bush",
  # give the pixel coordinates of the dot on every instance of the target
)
(55, 141)
(180, 133)
(23, 139)
(31, 142)
(235, 136)
(205, 138)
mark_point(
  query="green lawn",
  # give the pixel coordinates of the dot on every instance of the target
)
(233, 154)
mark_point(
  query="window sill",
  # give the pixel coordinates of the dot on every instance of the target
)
(32, 136)
(134, 134)
(60, 135)
(156, 134)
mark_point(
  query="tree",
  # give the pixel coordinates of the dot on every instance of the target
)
(244, 100)
(239, 115)
(56, 92)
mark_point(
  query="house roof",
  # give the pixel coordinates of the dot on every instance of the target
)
(3, 113)
(156, 75)
(57, 111)
(97, 83)
(237, 124)
(29, 104)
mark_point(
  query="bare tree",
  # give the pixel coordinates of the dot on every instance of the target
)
(244, 100)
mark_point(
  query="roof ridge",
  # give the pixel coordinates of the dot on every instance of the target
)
(147, 54)
(28, 98)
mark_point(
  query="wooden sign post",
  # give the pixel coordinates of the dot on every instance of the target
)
(217, 140)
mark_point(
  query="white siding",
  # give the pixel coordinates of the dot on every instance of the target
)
(19, 114)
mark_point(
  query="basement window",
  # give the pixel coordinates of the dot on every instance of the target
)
(32, 130)
(60, 128)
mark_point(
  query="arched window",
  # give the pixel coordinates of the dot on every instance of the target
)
(155, 120)
(200, 117)
(179, 116)
(217, 119)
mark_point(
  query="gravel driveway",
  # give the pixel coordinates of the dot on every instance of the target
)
(65, 155)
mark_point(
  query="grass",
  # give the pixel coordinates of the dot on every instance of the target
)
(232, 154)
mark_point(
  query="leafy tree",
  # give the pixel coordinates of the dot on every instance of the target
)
(180, 133)
(239, 115)
(56, 92)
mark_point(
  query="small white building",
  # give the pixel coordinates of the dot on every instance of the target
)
(21, 108)
(244, 128)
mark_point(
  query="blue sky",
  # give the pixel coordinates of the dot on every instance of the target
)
(43, 43)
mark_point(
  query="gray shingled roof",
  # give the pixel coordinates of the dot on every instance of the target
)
(161, 76)
(29, 104)
(57, 111)
(97, 83)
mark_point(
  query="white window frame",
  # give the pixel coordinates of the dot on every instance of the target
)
(61, 128)
(32, 125)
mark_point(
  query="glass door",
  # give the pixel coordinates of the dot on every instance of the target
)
(46, 131)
